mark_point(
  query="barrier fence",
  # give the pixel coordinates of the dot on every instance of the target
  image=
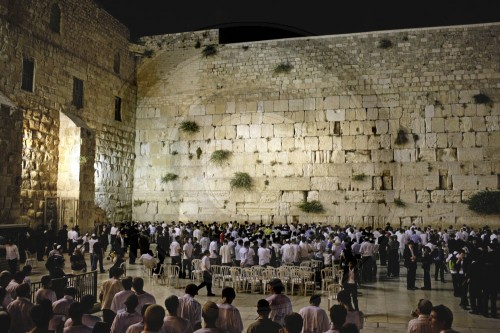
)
(85, 284)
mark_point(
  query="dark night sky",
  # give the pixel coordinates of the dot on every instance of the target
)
(257, 19)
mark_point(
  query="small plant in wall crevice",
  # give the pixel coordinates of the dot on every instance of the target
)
(483, 99)
(399, 203)
(169, 177)
(359, 177)
(401, 137)
(189, 127)
(242, 180)
(138, 203)
(220, 156)
(209, 50)
(313, 206)
(384, 43)
(198, 152)
(283, 68)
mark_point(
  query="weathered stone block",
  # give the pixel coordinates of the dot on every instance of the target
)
(335, 114)
(470, 154)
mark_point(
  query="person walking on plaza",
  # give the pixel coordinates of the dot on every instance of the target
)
(207, 274)
(98, 253)
(12, 256)
(350, 281)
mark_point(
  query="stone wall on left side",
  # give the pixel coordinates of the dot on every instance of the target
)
(93, 47)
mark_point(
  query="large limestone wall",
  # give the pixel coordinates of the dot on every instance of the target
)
(86, 47)
(312, 132)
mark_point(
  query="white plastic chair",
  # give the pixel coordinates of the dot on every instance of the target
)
(172, 275)
(159, 276)
(333, 290)
(29, 259)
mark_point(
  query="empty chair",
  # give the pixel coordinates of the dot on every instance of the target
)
(327, 277)
(333, 290)
(29, 259)
(172, 275)
(308, 282)
(196, 274)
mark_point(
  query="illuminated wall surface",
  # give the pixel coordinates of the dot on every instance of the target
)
(378, 127)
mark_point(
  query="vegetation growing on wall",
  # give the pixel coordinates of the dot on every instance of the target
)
(483, 99)
(189, 127)
(401, 138)
(198, 152)
(138, 203)
(359, 177)
(399, 203)
(169, 177)
(384, 43)
(311, 206)
(220, 156)
(241, 180)
(283, 68)
(209, 50)
(485, 202)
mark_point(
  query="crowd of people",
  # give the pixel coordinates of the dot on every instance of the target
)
(470, 256)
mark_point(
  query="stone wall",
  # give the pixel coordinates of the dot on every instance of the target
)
(326, 130)
(89, 42)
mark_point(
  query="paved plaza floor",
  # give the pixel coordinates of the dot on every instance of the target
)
(386, 303)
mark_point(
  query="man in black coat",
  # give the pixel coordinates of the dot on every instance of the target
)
(410, 255)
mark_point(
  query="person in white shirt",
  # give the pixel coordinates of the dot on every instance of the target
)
(88, 319)
(172, 322)
(143, 296)
(315, 318)
(207, 274)
(189, 308)
(120, 297)
(92, 241)
(237, 253)
(45, 292)
(125, 318)
(264, 255)
(12, 256)
(226, 254)
(187, 258)
(175, 251)
(19, 310)
(229, 316)
(214, 251)
(287, 253)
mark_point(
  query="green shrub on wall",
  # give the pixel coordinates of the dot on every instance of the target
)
(169, 177)
(312, 206)
(209, 50)
(241, 180)
(485, 202)
(190, 127)
(220, 156)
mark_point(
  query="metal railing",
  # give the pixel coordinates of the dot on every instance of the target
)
(85, 284)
